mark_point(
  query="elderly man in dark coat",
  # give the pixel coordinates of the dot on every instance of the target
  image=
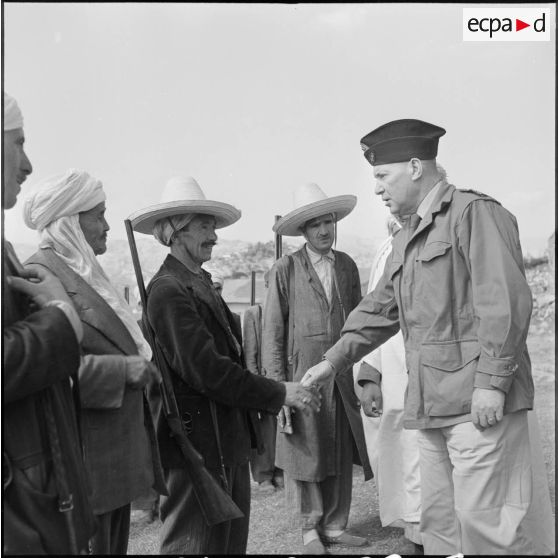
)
(45, 504)
(201, 343)
(118, 433)
(316, 452)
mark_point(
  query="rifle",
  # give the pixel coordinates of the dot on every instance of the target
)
(278, 241)
(253, 288)
(216, 505)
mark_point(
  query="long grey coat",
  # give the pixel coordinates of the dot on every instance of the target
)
(310, 453)
(119, 440)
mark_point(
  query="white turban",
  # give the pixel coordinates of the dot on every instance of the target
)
(164, 228)
(13, 119)
(61, 195)
(53, 208)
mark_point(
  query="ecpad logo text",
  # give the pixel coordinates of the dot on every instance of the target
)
(507, 24)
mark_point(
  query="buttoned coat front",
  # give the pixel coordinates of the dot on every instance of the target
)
(309, 453)
(120, 448)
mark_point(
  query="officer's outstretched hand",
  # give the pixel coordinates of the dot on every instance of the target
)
(318, 374)
(302, 398)
(371, 399)
(487, 407)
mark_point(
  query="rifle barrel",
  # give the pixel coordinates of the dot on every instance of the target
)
(278, 241)
(253, 289)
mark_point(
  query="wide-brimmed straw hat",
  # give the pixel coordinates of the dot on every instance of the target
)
(310, 202)
(180, 196)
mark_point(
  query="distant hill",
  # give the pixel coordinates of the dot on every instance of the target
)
(235, 259)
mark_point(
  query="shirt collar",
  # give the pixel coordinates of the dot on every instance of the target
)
(428, 199)
(315, 257)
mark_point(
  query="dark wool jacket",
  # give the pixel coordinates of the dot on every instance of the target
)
(201, 343)
(40, 353)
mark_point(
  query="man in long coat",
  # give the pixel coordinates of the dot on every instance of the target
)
(310, 294)
(118, 433)
(201, 343)
(45, 493)
(393, 450)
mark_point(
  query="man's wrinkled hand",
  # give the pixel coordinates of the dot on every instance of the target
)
(318, 374)
(371, 399)
(140, 372)
(39, 284)
(487, 407)
(302, 398)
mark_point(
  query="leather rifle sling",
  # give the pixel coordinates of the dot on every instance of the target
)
(65, 498)
(213, 409)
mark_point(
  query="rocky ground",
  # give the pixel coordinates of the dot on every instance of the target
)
(270, 529)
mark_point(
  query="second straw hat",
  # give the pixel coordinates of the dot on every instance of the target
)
(310, 202)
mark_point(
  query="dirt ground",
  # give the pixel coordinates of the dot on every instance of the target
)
(270, 528)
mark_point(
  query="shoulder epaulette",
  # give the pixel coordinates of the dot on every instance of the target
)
(476, 192)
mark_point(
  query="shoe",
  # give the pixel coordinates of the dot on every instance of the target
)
(266, 487)
(346, 539)
(315, 546)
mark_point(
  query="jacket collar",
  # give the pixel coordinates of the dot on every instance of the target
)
(91, 307)
(442, 199)
(316, 258)
(197, 282)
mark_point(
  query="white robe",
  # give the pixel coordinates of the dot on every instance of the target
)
(392, 450)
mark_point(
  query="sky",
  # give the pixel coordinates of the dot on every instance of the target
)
(254, 100)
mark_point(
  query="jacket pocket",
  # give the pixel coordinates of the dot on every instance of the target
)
(433, 250)
(196, 419)
(32, 521)
(447, 371)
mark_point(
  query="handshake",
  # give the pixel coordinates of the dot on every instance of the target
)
(305, 395)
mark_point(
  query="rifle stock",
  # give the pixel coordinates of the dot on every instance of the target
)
(216, 505)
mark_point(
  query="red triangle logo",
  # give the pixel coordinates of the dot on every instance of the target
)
(519, 25)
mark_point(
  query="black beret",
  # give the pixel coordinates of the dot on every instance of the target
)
(401, 140)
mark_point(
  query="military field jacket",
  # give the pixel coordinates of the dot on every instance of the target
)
(457, 289)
